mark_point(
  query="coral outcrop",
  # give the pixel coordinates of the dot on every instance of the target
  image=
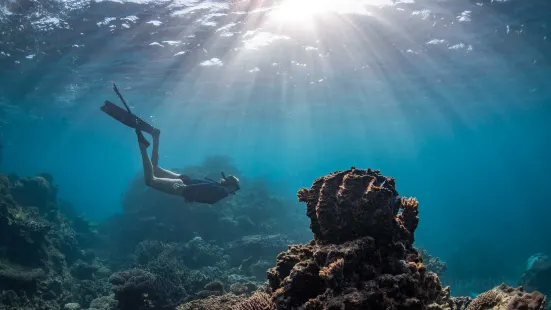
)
(39, 248)
(362, 255)
(152, 215)
(504, 297)
(187, 246)
(537, 276)
(348, 205)
(136, 289)
(223, 302)
(433, 263)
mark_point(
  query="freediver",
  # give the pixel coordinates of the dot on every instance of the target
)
(193, 190)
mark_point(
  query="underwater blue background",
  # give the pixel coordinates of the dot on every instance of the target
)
(465, 130)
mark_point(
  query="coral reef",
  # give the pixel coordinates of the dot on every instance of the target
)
(151, 215)
(258, 301)
(195, 269)
(107, 302)
(186, 246)
(537, 276)
(135, 289)
(352, 204)
(36, 192)
(433, 263)
(38, 247)
(222, 302)
(537, 262)
(361, 256)
(250, 251)
(504, 297)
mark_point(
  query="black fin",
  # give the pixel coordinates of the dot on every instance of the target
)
(126, 117)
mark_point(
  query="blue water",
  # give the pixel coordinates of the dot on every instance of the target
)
(449, 97)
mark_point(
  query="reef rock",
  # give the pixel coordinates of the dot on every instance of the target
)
(37, 246)
(223, 302)
(39, 192)
(152, 215)
(537, 276)
(250, 249)
(362, 255)
(433, 263)
(504, 297)
(348, 205)
(537, 262)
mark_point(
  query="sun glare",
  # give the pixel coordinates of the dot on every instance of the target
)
(301, 11)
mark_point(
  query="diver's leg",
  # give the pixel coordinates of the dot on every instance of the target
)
(142, 139)
(169, 186)
(147, 167)
(158, 171)
(155, 152)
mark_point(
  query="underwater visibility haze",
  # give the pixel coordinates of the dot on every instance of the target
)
(415, 134)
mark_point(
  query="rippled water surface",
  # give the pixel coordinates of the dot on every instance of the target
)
(372, 50)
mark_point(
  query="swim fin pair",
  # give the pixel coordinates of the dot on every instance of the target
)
(127, 118)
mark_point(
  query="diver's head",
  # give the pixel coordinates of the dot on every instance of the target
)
(230, 182)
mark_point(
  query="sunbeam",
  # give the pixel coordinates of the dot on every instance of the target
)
(304, 11)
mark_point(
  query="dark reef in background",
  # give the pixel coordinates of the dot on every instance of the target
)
(253, 212)
(159, 253)
(183, 251)
(537, 276)
(42, 264)
(434, 264)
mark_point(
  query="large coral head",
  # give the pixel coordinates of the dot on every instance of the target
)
(347, 205)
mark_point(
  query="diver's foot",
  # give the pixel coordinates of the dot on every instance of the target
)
(156, 133)
(142, 140)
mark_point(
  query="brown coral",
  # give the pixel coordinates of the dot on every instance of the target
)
(258, 301)
(485, 300)
(504, 297)
(371, 277)
(409, 216)
(362, 255)
(239, 288)
(536, 278)
(335, 269)
(351, 204)
(222, 302)
(362, 239)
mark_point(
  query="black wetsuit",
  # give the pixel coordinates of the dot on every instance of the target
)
(205, 191)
